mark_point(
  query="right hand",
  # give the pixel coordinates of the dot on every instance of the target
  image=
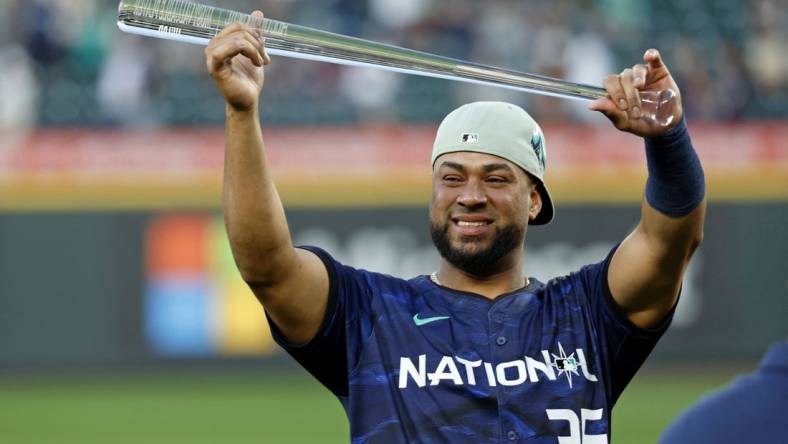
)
(623, 104)
(235, 60)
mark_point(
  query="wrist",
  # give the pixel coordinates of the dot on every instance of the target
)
(676, 134)
(676, 184)
(242, 112)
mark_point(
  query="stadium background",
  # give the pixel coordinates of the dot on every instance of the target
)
(122, 318)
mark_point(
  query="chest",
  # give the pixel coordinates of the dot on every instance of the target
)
(517, 343)
(522, 368)
(521, 341)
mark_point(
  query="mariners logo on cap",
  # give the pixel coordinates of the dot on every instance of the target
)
(470, 137)
(537, 143)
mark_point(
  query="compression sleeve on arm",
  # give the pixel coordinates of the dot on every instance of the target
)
(676, 184)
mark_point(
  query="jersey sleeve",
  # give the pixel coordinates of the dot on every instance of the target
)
(624, 345)
(328, 354)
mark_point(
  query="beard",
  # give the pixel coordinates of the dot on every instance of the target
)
(481, 262)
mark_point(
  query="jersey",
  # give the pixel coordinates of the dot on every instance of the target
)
(748, 410)
(415, 362)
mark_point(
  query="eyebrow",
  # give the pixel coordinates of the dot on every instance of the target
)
(488, 168)
(453, 165)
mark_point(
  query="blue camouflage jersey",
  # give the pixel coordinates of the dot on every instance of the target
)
(414, 362)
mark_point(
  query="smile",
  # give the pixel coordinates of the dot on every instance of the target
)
(476, 226)
(464, 223)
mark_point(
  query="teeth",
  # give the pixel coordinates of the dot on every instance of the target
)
(463, 223)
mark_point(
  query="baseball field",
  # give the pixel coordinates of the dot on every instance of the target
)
(127, 163)
(262, 407)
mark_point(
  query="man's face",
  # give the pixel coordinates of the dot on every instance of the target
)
(481, 205)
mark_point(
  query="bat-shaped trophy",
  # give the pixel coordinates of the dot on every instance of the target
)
(194, 23)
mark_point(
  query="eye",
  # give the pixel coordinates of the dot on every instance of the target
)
(497, 179)
(452, 178)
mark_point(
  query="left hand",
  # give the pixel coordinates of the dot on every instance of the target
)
(622, 104)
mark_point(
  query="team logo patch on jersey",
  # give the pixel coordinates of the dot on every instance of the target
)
(566, 364)
(470, 137)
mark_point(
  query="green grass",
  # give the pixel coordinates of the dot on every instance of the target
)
(656, 396)
(264, 407)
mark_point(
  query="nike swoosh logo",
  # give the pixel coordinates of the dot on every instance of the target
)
(419, 321)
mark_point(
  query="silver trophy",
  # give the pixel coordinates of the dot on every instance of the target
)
(194, 23)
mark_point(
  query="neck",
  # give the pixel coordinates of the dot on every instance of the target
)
(508, 279)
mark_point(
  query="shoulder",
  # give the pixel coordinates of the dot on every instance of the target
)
(374, 282)
(749, 408)
(333, 263)
(587, 281)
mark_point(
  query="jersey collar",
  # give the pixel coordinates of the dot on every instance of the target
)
(475, 301)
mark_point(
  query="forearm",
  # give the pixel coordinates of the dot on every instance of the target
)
(671, 241)
(645, 274)
(253, 212)
(674, 206)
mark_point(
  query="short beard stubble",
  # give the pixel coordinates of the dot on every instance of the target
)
(479, 263)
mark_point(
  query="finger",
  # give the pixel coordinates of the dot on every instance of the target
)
(266, 58)
(248, 49)
(237, 26)
(653, 58)
(256, 44)
(248, 33)
(229, 48)
(615, 91)
(606, 106)
(217, 54)
(639, 73)
(630, 92)
(223, 34)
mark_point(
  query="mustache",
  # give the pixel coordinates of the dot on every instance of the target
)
(481, 262)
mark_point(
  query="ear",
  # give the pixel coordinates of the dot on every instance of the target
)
(535, 203)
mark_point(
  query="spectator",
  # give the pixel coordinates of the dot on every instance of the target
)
(587, 59)
(18, 88)
(122, 86)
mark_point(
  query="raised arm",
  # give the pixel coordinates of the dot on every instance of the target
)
(292, 284)
(646, 271)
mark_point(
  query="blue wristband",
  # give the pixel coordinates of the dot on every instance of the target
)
(676, 184)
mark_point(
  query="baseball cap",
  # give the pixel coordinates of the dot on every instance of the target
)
(501, 129)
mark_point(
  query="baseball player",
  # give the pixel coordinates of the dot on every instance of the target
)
(474, 352)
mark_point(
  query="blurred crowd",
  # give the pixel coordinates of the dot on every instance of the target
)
(65, 63)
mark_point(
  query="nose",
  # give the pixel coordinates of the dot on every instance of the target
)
(472, 196)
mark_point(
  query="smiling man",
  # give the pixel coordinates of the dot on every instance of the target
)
(488, 165)
(475, 352)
